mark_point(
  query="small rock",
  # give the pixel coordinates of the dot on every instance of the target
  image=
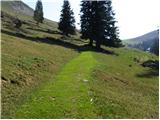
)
(85, 80)
(3, 78)
(14, 82)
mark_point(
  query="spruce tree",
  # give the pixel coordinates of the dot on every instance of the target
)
(38, 13)
(98, 23)
(92, 21)
(67, 21)
(86, 21)
(111, 37)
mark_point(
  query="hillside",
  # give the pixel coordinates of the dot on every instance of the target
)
(146, 37)
(145, 42)
(16, 8)
(46, 75)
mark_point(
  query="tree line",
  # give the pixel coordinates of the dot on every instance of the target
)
(97, 22)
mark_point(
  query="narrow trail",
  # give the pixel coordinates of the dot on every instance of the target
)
(68, 96)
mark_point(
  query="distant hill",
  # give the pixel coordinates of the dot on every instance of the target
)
(145, 42)
(16, 7)
(22, 11)
(146, 37)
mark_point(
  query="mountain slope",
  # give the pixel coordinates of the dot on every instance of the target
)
(145, 42)
(29, 59)
(146, 37)
(22, 11)
(16, 7)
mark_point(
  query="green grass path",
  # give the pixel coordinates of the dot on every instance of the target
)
(68, 96)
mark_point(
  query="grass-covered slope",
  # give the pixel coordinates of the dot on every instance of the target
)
(45, 75)
(67, 96)
(123, 88)
(29, 59)
(26, 64)
(96, 85)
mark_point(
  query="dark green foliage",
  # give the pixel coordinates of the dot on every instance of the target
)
(111, 32)
(67, 21)
(86, 21)
(92, 24)
(17, 23)
(38, 13)
(98, 23)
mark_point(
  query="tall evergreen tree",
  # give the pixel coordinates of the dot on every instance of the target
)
(38, 13)
(92, 21)
(86, 21)
(111, 37)
(98, 23)
(67, 21)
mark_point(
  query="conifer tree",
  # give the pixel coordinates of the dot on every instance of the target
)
(38, 13)
(111, 37)
(98, 23)
(92, 21)
(86, 21)
(67, 21)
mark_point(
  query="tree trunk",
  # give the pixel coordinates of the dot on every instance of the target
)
(91, 42)
(98, 44)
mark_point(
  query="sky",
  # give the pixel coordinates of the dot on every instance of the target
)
(134, 17)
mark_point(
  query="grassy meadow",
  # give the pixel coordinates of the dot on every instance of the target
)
(46, 75)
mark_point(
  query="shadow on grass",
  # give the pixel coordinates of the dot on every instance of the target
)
(153, 71)
(45, 31)
(94, 49)
(60, 42)
(43, 40)
(149, 74)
